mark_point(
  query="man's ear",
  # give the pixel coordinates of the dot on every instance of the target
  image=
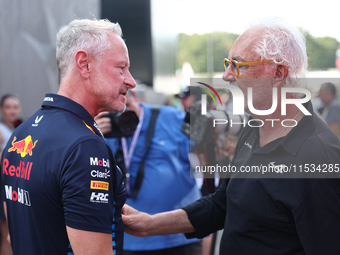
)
(82, 63)
(281, 71)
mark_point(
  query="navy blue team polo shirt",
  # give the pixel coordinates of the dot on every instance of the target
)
(58, 171)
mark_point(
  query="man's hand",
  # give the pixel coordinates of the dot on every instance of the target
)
(104, 123)
(166, 223)
(135, 222)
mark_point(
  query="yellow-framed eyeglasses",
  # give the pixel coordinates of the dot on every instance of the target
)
(235, 66)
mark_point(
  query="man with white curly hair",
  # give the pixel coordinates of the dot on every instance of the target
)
(276, 213)
(63, 190)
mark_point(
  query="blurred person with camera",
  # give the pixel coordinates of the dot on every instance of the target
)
(155, 161)
(188, 97)
(280, 212)
(224, 147)
(59, 199)
(224, 140)
(330, 109)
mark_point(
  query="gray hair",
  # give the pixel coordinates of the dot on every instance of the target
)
(284, 44)
(83, 34)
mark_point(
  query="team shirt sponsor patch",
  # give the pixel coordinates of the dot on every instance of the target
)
(23, 147)
(20, 195)
(99, 174)
(94, 161)
(23, 170)
(99, 185)
(99, 197)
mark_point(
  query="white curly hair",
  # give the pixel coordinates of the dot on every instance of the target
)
(283, 43)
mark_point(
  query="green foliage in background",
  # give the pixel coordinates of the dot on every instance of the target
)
(193, 49)
(321, 51)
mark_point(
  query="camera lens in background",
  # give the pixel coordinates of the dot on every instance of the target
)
(228, 123)
(127, 122)
(122, 124)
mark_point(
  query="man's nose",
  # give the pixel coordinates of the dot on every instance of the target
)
(129, 80)
(228, 75)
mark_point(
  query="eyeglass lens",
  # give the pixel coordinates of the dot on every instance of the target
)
(233, 64)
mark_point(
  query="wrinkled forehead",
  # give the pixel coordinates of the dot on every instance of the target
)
(244, 46)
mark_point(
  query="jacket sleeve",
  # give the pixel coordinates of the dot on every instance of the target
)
(207, 215)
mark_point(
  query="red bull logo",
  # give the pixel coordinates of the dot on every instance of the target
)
(22, 171)
(23, 147)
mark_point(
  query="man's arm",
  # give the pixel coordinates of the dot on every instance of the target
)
(5, 208)
(197, 219)
(143, 224)
(88, 243)
(5, 211)
(88, 211)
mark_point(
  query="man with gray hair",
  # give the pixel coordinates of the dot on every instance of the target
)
(63, 190)
(330, 109)
(280, 212)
